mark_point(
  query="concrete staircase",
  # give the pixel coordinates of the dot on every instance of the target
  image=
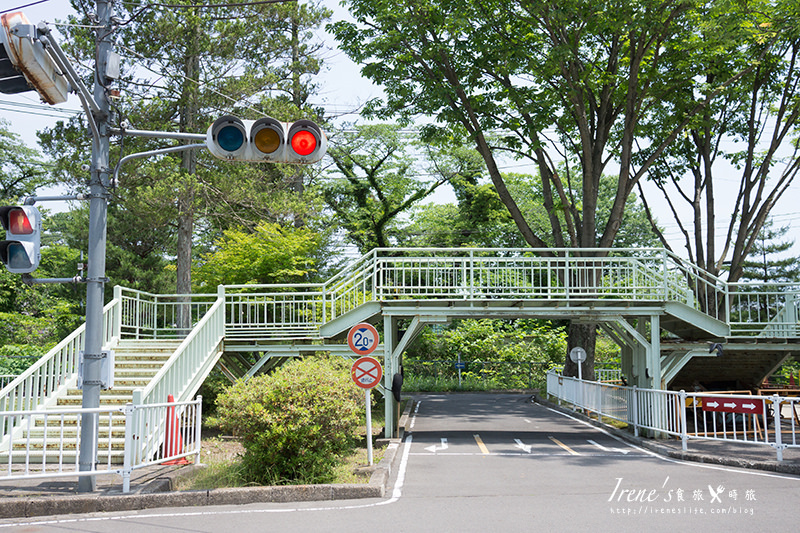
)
(136, 363)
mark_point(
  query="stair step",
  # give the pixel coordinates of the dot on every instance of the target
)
(127, 382)
(70, 433)
(65, 457)
(135, 364)
(71, 421)
(125, 357)
(56, 439)
(37, 445)
(107, 400)
(118, 390)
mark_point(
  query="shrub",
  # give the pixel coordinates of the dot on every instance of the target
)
(296, 423)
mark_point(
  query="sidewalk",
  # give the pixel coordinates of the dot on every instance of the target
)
(740, 455)
(152, 487)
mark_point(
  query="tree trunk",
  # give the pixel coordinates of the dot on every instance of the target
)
(583, 336)
(183, 266)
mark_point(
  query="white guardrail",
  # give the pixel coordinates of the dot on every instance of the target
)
(763, 420)
(140, 435)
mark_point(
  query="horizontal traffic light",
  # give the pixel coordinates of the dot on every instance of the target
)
(266, 140)
(20, 252)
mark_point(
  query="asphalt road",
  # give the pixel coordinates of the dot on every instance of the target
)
(480, 462)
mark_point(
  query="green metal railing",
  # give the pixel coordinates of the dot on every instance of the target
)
(185, 370)
(562, 277)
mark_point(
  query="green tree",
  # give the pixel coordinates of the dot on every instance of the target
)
(244, 58)
(571, 75)
(270, 254)
(748, 133)
(375, 181)
(771, 260)
(22, 171)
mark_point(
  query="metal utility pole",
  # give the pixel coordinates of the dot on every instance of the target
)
(99, 187)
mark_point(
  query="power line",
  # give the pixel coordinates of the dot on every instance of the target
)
(23, 6)
(42, 108)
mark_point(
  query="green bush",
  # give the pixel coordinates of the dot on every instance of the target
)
(493, 340)
(15, 359)
(296, 423)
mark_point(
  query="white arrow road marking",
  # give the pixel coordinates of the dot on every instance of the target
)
(434, 448)
(618, 450)
(524, 447)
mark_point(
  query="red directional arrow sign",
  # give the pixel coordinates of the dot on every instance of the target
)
(733, 405)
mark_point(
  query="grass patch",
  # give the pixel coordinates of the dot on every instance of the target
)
(221, 472)
(222, 465)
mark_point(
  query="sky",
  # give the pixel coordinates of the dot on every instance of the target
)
(342, 91)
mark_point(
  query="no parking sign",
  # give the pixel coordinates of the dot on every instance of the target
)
(366, 372)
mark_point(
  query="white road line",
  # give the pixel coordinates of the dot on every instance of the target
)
(617, 450)
(517, 454)
(137, 515)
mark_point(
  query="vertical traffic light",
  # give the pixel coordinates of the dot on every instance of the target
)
(266, 140)
(20, 251)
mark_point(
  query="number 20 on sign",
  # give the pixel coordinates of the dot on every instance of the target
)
(363, 338)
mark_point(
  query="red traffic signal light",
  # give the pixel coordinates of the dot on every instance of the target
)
(20, 252)
(266, 140)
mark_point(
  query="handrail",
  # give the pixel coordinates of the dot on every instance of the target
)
(39, 385)
(189, 363)
(56, 367)
(159, 316)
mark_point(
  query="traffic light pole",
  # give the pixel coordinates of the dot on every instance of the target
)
(99, 187)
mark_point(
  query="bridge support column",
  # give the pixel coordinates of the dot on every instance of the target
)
(391, 364)
(641, 356)
(641, 361)
(394, 344)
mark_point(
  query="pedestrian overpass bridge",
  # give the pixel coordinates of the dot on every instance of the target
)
(662, 311)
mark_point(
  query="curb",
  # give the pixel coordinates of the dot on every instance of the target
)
(667, 451)
(161, 492)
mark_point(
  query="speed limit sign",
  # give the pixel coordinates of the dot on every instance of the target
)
(363, 338)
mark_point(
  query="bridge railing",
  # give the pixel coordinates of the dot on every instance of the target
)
(191, 362)
(764, 309)
(297, 310)
(146, 315)
(566, 275)
(281, 310)
(550, 274)
(353, 286)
